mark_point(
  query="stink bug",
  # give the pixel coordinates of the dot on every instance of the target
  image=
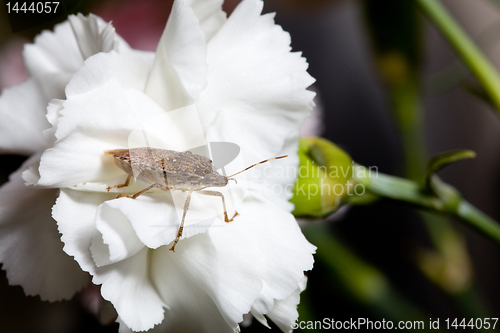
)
(170, 170)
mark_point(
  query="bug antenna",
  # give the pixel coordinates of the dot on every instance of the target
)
(251, 166)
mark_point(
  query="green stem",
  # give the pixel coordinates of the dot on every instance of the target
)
(479, 220)
(406, 107)
(480, 66)
(409, 191)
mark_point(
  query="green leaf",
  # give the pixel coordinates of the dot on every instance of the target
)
(439, 161)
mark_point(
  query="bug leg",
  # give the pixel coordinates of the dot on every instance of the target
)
(218, 194)
(179, 233)
(137, 194)
(127, 181)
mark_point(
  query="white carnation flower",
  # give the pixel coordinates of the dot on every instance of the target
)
(213, 79)
(30, 249)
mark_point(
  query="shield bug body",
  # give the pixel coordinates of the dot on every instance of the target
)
(170, 170)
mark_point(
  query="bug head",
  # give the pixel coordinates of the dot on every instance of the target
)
(214, 179)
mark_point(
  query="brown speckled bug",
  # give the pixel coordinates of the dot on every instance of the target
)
(170, 170)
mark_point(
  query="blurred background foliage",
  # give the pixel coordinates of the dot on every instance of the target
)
(394, 88)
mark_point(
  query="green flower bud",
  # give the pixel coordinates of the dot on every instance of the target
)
(323, 177)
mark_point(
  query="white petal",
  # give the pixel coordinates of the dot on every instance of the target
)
(263, 305)
(276, 179)
(75, 212)
(93, 35)
(78, 159)
(260, 317)
(153, 217)
(55, 106)
(52, 59)
(210, 15)
(116, 232)
(124, 328)
(30, 247)
(56, 56)
(286, 176)
(31, 175)
(284, 313)
(285, 251)
(214, 273)
(191, 309)
(179, 71)
(130, 70)
(256, 94)
(91, 123)
(22, 109)
(127, 285)
(161, 328)
(178, 130)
